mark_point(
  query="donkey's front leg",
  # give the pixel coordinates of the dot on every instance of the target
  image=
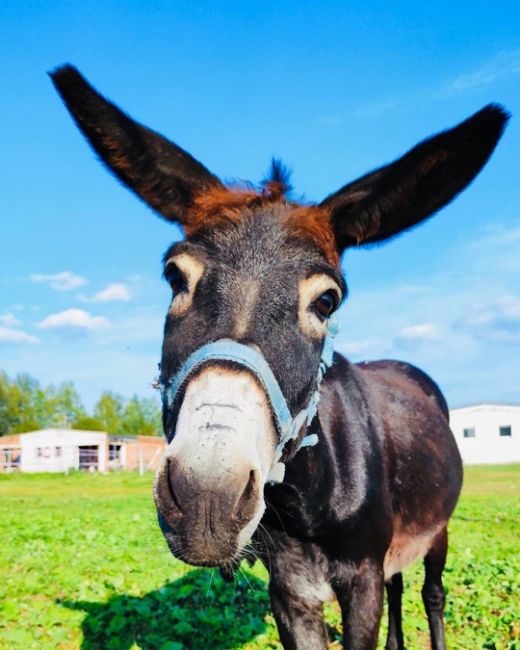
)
(299, 618)
(298, 587)
(360, 596)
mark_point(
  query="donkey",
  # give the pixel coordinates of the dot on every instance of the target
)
(337, 497)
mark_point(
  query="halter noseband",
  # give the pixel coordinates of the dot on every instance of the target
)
(246, 356)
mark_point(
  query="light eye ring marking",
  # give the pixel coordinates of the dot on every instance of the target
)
(310, 291)
(187, 270)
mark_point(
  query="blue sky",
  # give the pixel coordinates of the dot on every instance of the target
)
(333, 88)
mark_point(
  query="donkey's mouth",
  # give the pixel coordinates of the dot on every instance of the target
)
(201, 550)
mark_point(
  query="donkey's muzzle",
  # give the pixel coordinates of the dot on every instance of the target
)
(202, 516)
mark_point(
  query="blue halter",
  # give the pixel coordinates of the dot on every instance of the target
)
(248, 357)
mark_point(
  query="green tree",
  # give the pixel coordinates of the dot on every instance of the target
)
(109, 411)
(28, 405)
(142, 417)
(63, 405)
(9, 405)
(88, 423)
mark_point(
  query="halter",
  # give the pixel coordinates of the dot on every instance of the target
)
(248, 357)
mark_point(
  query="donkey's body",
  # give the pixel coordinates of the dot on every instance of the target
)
(377, 491)
(258, 278)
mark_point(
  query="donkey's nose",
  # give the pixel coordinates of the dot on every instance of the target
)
(247, 503)
(231, 496)
(165, 493)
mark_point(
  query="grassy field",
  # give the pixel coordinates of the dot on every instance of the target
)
(83, 565)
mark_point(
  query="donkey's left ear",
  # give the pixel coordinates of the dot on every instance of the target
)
(407, 191)
(161, 173)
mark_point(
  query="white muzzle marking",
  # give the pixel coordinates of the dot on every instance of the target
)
(225, 427)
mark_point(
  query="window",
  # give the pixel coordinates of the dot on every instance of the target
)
(114, 452)
(39, 453)
(88, 457)
(469, 433)
(505, 431)
(57, 451)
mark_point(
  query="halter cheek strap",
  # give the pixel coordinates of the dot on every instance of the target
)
(248, 357)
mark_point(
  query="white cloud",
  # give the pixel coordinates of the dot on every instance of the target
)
(505, 309)
(10, 335)
(425, 331)
(9, 320)
(144, 327)
(498, 320)
(510, 307)
(75, 319)
(64, 281)
(117, 291)
(361, 347)
(503, 64)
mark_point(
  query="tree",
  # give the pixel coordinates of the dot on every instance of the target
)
(88, 423)
(63, 405)
(26, 406)
(109, 411)
(9, 411)
(142, 417)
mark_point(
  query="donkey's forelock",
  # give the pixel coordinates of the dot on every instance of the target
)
(231, 203)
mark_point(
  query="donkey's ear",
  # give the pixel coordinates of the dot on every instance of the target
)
(407, 191)
(158, 171)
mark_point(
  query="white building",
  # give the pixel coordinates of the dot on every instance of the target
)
(56, 450)
(60, 450)
(487, 433)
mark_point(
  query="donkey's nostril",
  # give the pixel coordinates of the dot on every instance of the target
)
(246, 506)
(170, 470)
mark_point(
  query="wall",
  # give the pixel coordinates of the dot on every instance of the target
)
(68, 441)
(151, 448)
(487, 446)
(10, 455)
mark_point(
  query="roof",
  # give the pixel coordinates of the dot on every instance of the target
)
(76, 432)
(66, 431)
(488, 407)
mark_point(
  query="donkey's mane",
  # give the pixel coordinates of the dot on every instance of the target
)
(230, 203)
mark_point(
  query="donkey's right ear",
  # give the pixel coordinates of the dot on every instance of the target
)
(162, 174)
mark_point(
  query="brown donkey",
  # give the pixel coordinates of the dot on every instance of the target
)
(373, 475)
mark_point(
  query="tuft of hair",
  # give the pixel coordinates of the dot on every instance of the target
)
(277, 183)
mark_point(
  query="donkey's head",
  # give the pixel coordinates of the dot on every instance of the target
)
(259, 274)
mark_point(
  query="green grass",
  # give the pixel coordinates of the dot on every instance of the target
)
(83, 565)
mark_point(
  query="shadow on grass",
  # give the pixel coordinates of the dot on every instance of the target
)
(191, 613)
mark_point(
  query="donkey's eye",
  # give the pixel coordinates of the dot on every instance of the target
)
(326, 304)
(175, 279)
